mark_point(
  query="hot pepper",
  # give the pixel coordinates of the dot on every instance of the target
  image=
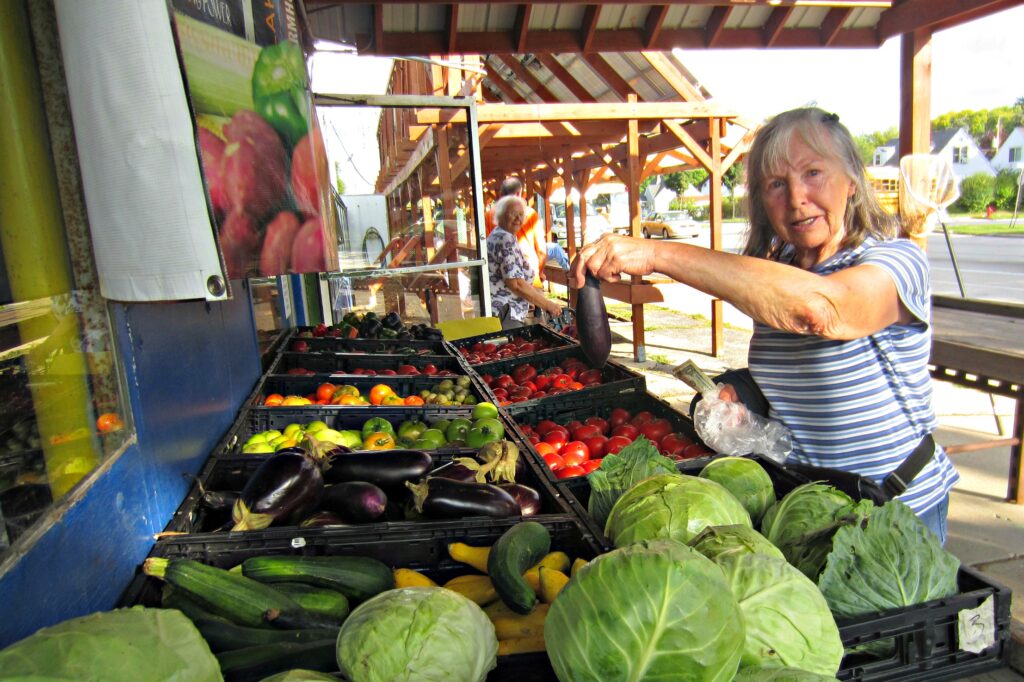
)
(280, 90)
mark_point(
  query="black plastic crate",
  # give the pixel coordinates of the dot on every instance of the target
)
(615, 377)
(926, 636)
(230, 475)
(423, 548)
(403, 347)
(533, 333)
(345, 363)
(403, 385)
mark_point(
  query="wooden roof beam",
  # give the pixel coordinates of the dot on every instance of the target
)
(652, 25)
(698, 151)
(527, 78)
(914, 15)
(522, 27)
(588, 27)
(504, 86)
(715, 25)
(552, 64)
(378, 27)
(774, 25)
(452, 26)
(610, 111)
(610, 76)
(672, 76)
(833, 23)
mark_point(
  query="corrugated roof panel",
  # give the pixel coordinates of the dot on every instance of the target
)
(501, 17)
(610, 16)
(632, 75)
(749, 17)
(634, 16)
(399, 18)
(586, 77)
(341, 23)
(431, 17)
(569, 17)
(808, 17)
(472, 17)
(560, 91)
(543, 17)
(864, 17)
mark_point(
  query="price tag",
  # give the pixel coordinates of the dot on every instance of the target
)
(976, 628)
(298, 543)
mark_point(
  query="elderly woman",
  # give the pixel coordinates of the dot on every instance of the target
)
(512, 290)
(841, 310)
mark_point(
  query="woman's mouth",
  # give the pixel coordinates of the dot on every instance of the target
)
(806, 222)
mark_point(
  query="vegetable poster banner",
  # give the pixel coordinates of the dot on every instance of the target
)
(263, 158)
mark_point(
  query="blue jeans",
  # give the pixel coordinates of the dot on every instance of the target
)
(935, 519)
(557, 254)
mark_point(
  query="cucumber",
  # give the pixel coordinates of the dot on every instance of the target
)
(263, 660)
(519, 548)
(356, 577)
(242, 600)
(224, 636)
(321, 600)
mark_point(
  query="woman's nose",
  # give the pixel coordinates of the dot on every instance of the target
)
(797, 193)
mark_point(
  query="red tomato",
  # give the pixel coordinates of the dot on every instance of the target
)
(554, 461)
(627, 431)
(533, 438)
(325, 391)
(556, 439)
(561, 381)
(694, 451)
(573, 425)
(503, 381)
(596, 445)
(542, 382)
(619, 416)
(589, 376)
(543, 448)
(543, 426)
(585, 431)
(575, 385)
(560, 429)
(656, 429)
(570, 472)
(591, 464)
(600, 423)
(526, 429)
(574, 453)
(500, 393)
(673, 444)
(614, 444)
(641, 418)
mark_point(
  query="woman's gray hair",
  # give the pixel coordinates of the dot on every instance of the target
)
(501, 208)
(826, 136)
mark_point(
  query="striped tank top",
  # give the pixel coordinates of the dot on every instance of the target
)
(861, 405)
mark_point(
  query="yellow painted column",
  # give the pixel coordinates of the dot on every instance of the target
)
(35, 254)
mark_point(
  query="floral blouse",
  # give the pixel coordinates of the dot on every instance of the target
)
(505, 260)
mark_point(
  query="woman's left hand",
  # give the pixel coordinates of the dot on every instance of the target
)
(613, 255)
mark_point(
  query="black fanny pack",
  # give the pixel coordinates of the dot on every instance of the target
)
(789, 476)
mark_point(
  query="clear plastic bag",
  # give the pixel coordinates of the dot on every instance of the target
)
(730, 428)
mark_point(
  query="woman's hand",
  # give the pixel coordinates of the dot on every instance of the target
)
(552, 308)
(613, 255)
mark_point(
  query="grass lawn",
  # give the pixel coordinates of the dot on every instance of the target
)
(996, 228)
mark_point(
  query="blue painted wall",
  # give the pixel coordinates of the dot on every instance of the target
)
(189, 366)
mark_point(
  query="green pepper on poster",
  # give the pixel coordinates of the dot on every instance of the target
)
(280, 90)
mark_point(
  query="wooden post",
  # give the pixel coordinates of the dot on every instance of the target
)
(715, 191)
(915, 99)
(634, 167)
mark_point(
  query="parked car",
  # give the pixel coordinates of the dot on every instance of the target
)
(597, 226)
(670, 225)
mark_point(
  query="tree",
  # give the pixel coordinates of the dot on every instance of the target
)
(338, 181)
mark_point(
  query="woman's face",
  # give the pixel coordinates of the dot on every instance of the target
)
(513, 218)
(806, 203)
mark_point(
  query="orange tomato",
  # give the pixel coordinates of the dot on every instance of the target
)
(379, 392)
(350, 400)
(109, 421)
(379, 440)
(414, 400)
(273, 400)
(324, 391)
(392, 400)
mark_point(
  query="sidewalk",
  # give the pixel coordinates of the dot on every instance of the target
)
(984, 531)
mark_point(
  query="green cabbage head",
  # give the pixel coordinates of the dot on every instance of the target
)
(417, 633)
(672, 506)
(788, 622)
(654, 610)
(746, 480)
(763, 673)
(716, 542)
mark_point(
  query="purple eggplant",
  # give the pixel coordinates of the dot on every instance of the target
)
(592, 322)
(443, 498)
(321, 519)
(219, 500)
(456, 472)
(354, 501)
(388, 469)
(285, 488)
(526, 497)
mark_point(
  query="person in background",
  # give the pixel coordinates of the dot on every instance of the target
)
(557, 255)
(511, 274)
(841, 309)
(530, 234)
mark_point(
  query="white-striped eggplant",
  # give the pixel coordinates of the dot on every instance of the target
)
(285, 487)
(443, 498)
(592, 322)
(526, 497)
(355, 501)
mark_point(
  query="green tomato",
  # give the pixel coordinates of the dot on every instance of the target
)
(485, 410)
(375, 424)
(484, 431)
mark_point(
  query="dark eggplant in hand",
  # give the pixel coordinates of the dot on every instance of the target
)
(526, 497)
(386, 469)
(456, 472)
(321, 519)
(355, 501)
(592, 322)
(443, 498)
(287, 486)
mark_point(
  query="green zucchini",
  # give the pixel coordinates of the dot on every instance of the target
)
(172, 598)
(257, 662)
(242, 600)
(519, 548)
(321, 600)
(356, 577)
(224, 636)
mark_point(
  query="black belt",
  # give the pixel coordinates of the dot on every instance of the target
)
(896, 483)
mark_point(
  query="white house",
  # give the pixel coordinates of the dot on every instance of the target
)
(1011, 153)
(953, 143)
(656, 198)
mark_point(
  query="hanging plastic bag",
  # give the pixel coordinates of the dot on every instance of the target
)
(730, 428)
